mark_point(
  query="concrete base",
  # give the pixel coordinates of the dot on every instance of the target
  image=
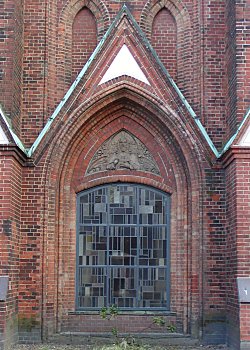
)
(30, 337)
(215, 330)
(245, 345)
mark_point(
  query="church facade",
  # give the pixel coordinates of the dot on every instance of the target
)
(125, 169)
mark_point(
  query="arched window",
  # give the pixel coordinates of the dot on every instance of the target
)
(123, 248)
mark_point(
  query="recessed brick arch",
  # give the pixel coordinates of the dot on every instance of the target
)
(68, 14)
(176, 8)
(183, 23)
(84, 40)
(65, 176)
(164, 40)
(98, 8)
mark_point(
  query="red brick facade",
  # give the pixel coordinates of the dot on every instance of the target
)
(204, 46)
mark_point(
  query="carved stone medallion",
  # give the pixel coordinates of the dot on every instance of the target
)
(122, 151)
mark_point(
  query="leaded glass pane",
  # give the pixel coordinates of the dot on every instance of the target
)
(122, 287)
(123, 245)
(153, 246)
(93, 207)
(122, 254)
(92, 287)
(92, 246)
(152, 209)
(152, 288)
(123, 205)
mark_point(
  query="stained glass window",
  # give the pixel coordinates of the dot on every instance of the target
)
(123, 248)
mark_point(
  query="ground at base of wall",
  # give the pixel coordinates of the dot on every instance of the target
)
(110, 347)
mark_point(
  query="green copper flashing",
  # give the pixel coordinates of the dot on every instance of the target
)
(231, 140)
(16, 139)
(124, 11)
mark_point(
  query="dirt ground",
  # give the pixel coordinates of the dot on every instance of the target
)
(91, 347)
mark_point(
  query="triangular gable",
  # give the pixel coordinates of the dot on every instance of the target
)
(3, 138)
(105, 65)
(242, 135)
(10, 136)
(245, 140)
(243, 132)
(124, 64)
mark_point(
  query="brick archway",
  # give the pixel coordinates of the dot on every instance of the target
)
(184, 33)
(177, 9)
(69, 156)
(66, 19)
(99, 10)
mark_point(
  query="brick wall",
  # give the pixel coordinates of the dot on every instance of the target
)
(127, 323)
(178, 18)
(231, 287)
(231, 80)
(34, 69)
(214, 243)
(238, 191)
(31, 256)
(242, 57)
(237, 62)
(242, 234)
(214, 70)
(84, 40)
(11, 59)
(97, 19)
(164, 40)
(10, 204)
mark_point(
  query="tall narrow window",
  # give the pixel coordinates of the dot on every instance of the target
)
(123, 248)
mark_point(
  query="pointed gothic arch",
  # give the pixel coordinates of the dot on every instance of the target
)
(84, 40)
(176, 8)
(68, 14)
(183, 23)
(98, 8)
(68, 158)
(164, 40)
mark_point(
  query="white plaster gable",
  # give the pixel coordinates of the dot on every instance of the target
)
(124, 64)
(245, 139)
(3, 138)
